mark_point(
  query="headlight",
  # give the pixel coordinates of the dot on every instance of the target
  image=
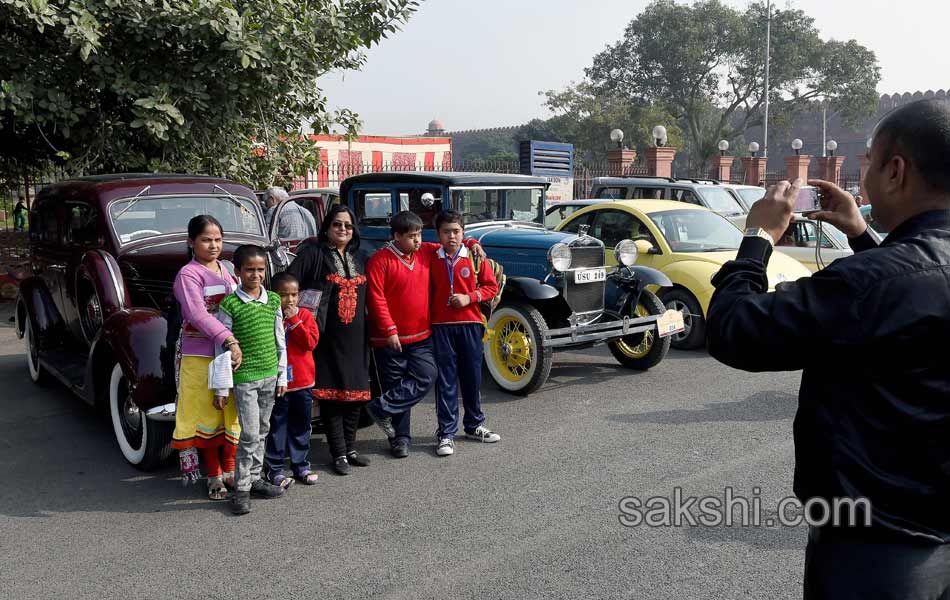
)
(626, 252)
(560, 257)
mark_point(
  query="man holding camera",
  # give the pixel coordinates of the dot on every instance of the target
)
(868, 332)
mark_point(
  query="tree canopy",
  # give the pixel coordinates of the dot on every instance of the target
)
(220, 86)
(705, 64)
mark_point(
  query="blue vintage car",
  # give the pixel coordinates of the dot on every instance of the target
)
(559, 293)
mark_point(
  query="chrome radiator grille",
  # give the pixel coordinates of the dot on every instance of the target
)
(586, 252)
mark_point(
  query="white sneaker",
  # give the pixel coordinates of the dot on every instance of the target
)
(446, 447)
(483, 434)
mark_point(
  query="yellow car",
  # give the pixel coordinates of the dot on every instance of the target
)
(687, 243)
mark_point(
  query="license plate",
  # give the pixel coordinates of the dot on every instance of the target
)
(670, 322)
(590, 275)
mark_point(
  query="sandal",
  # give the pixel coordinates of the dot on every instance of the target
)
(282, 481)
(307, 477)
(216, 489)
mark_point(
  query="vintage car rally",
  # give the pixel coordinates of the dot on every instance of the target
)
(415, 299)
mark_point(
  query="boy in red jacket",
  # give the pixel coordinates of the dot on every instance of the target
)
(290, 419)
(398, 300)
(457, 330)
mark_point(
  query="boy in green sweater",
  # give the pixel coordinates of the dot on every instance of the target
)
(254, 316)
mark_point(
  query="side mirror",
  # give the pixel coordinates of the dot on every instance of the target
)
(645, 247)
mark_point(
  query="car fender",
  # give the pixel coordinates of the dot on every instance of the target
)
(38, 304)
(650, 276)
(137, 340)
(102, 271)
(696, 277)
(528, 288)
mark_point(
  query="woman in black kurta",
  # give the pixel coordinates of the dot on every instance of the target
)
(334, 266)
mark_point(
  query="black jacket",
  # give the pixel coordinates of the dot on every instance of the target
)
(871, 333)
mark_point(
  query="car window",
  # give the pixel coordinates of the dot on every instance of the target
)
(612, 193)
(575, 224)
(647, 193)
(691, 230)
(751, 195)
(147, 216)
(558, 213)
(83, 228)
(612, 226)
(412, 200)
(640, 231)
(720, 200)
(687, 196)
(44, 227)
(373, 207)
(483, 204)
(803, 234)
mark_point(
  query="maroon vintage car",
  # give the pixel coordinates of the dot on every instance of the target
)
(98, 312)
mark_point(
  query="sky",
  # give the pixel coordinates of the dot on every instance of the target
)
(477, 64)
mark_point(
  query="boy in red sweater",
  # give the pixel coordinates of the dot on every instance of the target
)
(398, 300)
(457, 331)
(290, 419)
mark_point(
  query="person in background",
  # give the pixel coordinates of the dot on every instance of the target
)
(290, 427)
(19, 215)
(254, 315)
(457, 331)
(199, 288)
(332, 267)
(294, 222)
(874, 404)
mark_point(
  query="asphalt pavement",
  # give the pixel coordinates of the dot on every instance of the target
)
(534, 516)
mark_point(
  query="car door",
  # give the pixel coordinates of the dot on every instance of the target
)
(51, 256)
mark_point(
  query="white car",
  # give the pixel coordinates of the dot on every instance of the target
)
(800, 241)
(748, 194)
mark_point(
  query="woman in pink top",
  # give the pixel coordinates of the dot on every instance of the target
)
(199, 288)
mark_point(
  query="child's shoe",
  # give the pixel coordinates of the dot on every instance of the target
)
(446, 447)
(240, 503)
(382, 421)
(399, 448)
(483, 434)
(265, 489)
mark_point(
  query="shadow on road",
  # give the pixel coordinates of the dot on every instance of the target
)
(761, 406)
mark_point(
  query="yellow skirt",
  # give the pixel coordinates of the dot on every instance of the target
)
(198, 424)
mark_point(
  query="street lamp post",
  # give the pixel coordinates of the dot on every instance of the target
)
(616, 136)
(797, 146)
(723, 146)
(753, 149)
(768, 43)
(659, 136)
(831, 146)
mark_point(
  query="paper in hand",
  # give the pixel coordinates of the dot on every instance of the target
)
(220, 376)
(310, 299)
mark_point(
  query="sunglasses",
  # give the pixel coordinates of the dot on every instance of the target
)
(341, 224)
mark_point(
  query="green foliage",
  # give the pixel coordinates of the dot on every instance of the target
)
(705, 63)
(218, 86)
(490, 144)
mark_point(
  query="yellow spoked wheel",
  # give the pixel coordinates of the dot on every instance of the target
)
(642, 350)
(514, 352)
(646, 339)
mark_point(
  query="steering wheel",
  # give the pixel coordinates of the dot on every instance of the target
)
(143, 231)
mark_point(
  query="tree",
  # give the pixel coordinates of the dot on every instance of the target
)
(218, 86)
(705, 62)
(585, 115)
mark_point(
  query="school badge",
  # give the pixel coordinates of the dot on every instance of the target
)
(465, 272)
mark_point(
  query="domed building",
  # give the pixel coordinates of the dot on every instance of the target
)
(436, 127)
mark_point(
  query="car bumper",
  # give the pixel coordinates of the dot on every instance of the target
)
(164, 412)
(598, 332)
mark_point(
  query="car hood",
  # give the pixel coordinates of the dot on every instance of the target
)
(781, 267)
(512, 235)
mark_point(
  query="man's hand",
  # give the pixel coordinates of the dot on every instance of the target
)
(773, 213)
(478, 252)
(393, 343)
(220, 402)
(281, 390)
(838, 208)
(459, 300)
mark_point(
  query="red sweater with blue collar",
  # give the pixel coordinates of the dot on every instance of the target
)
(478, 287)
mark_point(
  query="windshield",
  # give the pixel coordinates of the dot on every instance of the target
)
(143, 217)
(835, 233)
(696, 231)
(720, 200)
(750, 195)
(496, 204)
(558, 213)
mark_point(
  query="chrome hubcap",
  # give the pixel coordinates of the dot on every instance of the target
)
(687, 319)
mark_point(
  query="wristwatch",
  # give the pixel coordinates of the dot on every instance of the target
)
(759, 232)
